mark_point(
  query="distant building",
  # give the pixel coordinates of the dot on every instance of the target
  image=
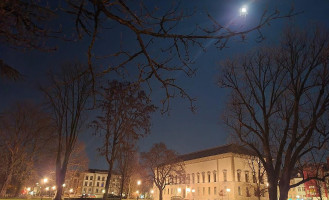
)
(220, 173)
(297, 193)
(93, 182)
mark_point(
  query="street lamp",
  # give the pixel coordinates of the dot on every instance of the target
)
(228, 190)
(139, 182)
(45, 180)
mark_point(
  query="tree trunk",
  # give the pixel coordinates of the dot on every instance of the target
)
(273, 191)
(160, 194)
(108, 180)
(122, 184)
(284, 187)
(60, 175)
(7, 180)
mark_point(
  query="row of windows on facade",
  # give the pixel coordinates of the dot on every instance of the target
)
(98, 178)
(187, 179)
(98, 184)
(262, 193)
(89, 190)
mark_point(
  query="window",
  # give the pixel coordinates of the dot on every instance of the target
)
(215, 176)
(98, 178)
(84, 190)
(102, 184)
(97, 184)
(91, 178)
(96, 190)
(239, 190)
(208, 177)
(176, 179)
(86, 183)
(103, 178)
(215, 190)
(239, 175)
(171, 191)
(261, 179)
(89, 189)
(203, 190)
(203, 177)
(198, 191)
(193, 178)
(208, 190)
(247, 176)
(198, 177)
(188, 179)
(254, 180)
(86, 177)
(225, 175)
(247, 192)
(168, 190)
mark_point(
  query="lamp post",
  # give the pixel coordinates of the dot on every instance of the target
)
(139, 182)
(228, 190)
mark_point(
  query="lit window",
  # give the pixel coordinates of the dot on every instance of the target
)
(239, 175)
(225, 175)
(254, 180)
(203, 177)
(198, 177)
(188, 178)
(247, 176)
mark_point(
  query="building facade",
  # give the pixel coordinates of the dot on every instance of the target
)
(93, 183)
(220, 173)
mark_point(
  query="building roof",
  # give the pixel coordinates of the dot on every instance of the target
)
(230, 148)
(101, 171)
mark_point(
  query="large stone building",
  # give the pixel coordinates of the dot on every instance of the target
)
(220, 173)
(93, 182)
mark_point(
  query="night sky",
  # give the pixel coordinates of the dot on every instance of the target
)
(180, 129)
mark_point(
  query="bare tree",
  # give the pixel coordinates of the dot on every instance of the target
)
(23, 25)
(152, 26)
(67, 97)
(126, 115)
(127, 164)
(279, 102)
(25, 130)
(162, 163)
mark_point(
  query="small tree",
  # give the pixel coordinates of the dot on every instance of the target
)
(162, 163)
(67, 98)
(126, 116)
